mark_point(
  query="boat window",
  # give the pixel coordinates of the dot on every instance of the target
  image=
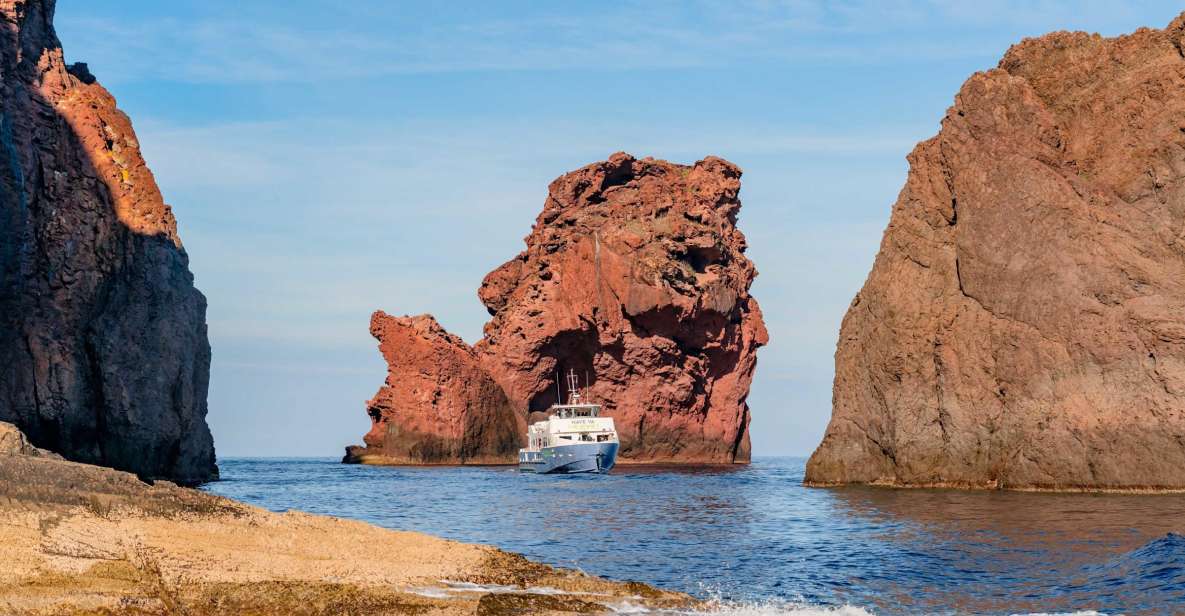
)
(566, 438)
(601, 438)
(586, 437)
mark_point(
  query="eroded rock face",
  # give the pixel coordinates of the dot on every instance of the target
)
(1024, 322)
(438, 406)
(103, 349)
(635, 276)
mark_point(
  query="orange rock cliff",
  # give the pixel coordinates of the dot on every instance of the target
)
(635, 275)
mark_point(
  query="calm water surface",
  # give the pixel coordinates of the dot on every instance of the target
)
(754, 536)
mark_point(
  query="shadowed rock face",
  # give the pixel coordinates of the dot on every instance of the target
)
(438, 406)
(635, 276)
(1024, 322)
(103, 349)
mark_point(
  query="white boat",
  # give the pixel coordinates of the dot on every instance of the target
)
(573, 439)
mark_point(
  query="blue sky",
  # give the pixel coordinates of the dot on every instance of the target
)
(327, 158)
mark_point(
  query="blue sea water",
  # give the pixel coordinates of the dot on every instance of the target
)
(754, 538)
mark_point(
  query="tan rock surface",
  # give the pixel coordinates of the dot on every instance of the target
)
(1024, 322)
(81, 539)
(13, 442)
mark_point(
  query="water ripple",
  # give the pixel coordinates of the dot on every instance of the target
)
(754, 539)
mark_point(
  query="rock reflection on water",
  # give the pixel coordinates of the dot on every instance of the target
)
(754, 534)
(1009, 551)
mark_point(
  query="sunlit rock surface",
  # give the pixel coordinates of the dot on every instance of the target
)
(437, 406)
(634, 276)
(1024, 322)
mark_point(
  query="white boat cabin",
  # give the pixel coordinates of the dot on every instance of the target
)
(572, 423)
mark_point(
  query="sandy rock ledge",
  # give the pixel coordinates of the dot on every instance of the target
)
(80, 539)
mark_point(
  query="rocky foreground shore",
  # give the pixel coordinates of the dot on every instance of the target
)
(81, 539)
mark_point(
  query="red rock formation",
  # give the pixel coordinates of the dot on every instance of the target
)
(103, 350)
(438, 405)
(1024, 323)
(635, 275)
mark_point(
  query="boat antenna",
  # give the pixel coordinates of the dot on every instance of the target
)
(559, 397)
(573, 387)
(586, 385)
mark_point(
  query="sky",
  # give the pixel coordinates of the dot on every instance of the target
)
(326, 159)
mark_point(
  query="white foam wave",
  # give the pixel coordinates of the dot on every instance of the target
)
(432, 593)
(747, 609)
(1084, 613)
(451, 589)
(785, 609)
(631, 605)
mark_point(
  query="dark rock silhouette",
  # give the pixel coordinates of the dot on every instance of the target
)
(103, 350)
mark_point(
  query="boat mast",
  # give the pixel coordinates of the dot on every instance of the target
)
(573, 387)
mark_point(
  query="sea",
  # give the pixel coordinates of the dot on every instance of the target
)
(752, 540)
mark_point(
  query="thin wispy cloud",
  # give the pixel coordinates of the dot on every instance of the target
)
(248, 210)
(221, 45)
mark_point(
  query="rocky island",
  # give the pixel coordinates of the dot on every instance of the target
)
(635, 275)
(1023, 326)
(103, 350)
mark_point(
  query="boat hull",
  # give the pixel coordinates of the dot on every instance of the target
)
(568, 459)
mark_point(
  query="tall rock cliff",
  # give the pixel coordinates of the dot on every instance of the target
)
(103, 349)
(1024, 322)
(635, 276)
